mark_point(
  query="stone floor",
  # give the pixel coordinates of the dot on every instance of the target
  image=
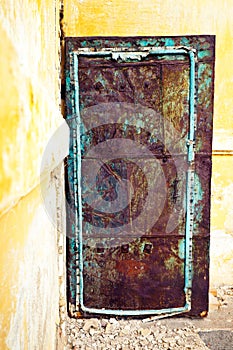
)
(214, 332)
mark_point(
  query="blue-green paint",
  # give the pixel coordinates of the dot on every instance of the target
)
(72, 266)
(198, 191)
(208, 82)
(203, 54)
(77, 171)
(146, 42)
(153, 139)
(84, 43)
(67, 82)
(168, 311)
(201, 68)
(204, 45)
(197, 198)
(90, 264)
(189, 231)
(167, 51)
(169, 42)
(126, 44)
(181, 248)
(191, 107)
(184, 41)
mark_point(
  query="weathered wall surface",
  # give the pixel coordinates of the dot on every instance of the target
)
(29, 114)
(155, 17)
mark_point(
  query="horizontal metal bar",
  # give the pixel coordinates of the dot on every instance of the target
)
(168, 311)
(167, 236)
(133, 50)
(152, 51)
(168, 51)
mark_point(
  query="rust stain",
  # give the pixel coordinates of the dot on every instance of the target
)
(131, 268)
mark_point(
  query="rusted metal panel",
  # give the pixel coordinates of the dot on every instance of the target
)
(144, 273)
(135, 193)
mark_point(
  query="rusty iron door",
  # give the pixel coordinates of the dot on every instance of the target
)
(138, 179)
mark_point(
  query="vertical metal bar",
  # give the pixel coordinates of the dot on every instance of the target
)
(188, 237)
(190, 184)
(191, 107)
(78, 194)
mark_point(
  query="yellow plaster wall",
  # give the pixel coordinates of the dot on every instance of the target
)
(29, 282)
(29, 116)
(155, 17)
(182, 17)
(29, 69)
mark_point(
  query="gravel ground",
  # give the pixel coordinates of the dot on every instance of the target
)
(103, 334)
(169, 334)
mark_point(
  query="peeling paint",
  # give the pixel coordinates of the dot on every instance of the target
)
(129, 55)
(36, 302)
(29, 79)
(30, 114)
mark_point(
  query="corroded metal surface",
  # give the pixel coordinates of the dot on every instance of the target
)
(145, 273)
(134, 126)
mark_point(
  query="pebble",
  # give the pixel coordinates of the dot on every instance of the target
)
(92, 331)
(108, 328)
(113, 321)
(145, 332)
(91, 323)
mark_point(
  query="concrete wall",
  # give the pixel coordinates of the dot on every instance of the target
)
(155, 17)
(29, 114)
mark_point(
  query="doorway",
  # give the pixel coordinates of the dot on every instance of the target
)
(138, 180)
